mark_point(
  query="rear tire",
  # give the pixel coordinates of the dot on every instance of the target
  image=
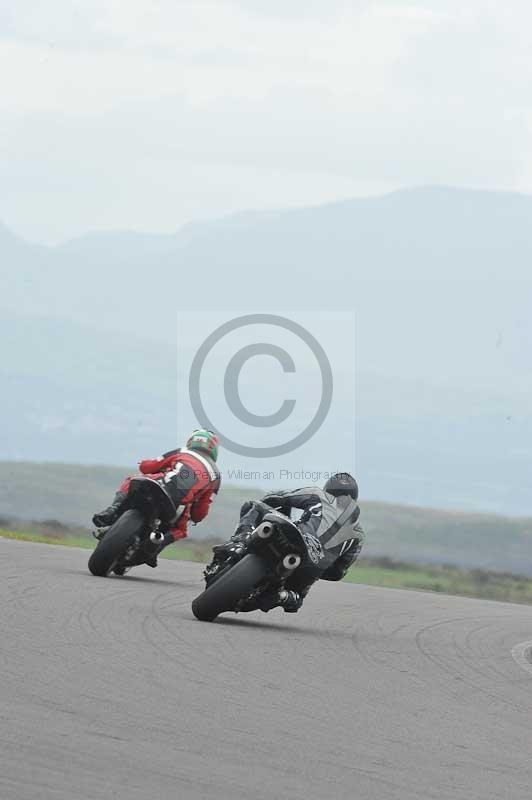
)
(114, 544)
(224, 593)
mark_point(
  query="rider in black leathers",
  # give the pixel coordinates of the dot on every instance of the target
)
(330, 514)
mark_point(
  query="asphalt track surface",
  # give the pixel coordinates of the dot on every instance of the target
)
(109, 688)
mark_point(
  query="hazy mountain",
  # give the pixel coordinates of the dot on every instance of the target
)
(441, 284)
(426, 235)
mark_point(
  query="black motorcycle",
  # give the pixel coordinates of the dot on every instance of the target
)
(138, 533)
(275, 549)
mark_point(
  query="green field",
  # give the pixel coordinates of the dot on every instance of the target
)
(372, 572)
(181, 552)
(504, 587)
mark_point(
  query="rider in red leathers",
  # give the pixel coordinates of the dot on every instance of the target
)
(191, 479)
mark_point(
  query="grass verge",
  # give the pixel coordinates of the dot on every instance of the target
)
(181, 552)
(505, 587)
(447, 579)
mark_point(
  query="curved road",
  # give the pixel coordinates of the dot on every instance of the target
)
(110, 689)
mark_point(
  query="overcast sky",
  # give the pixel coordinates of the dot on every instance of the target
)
(145, 114)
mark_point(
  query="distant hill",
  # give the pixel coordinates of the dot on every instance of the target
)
(71, 493)
(439, 280)
(430, 234)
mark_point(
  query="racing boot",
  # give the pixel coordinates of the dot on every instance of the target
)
(236, 544)
(109, 515)
(154, 547)
(251, 515)
(151, 560)
(287, 599)
(234, 549)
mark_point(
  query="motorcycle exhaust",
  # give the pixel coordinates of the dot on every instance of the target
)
(156, 537)
(264, 531)
(291, 561)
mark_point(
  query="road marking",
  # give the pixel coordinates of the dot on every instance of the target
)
(522, 655)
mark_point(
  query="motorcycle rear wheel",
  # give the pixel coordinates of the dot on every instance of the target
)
(115, 543)
(235, 584)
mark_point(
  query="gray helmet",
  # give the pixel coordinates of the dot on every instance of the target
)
(342, 483)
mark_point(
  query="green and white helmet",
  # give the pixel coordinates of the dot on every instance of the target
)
(205, 441)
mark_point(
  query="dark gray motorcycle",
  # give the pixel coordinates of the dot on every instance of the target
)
(275, 549)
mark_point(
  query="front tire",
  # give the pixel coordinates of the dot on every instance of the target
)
(224, 593)
(116, 541)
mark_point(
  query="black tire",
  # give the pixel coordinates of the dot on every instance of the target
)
(225, 592)
(115, 542)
